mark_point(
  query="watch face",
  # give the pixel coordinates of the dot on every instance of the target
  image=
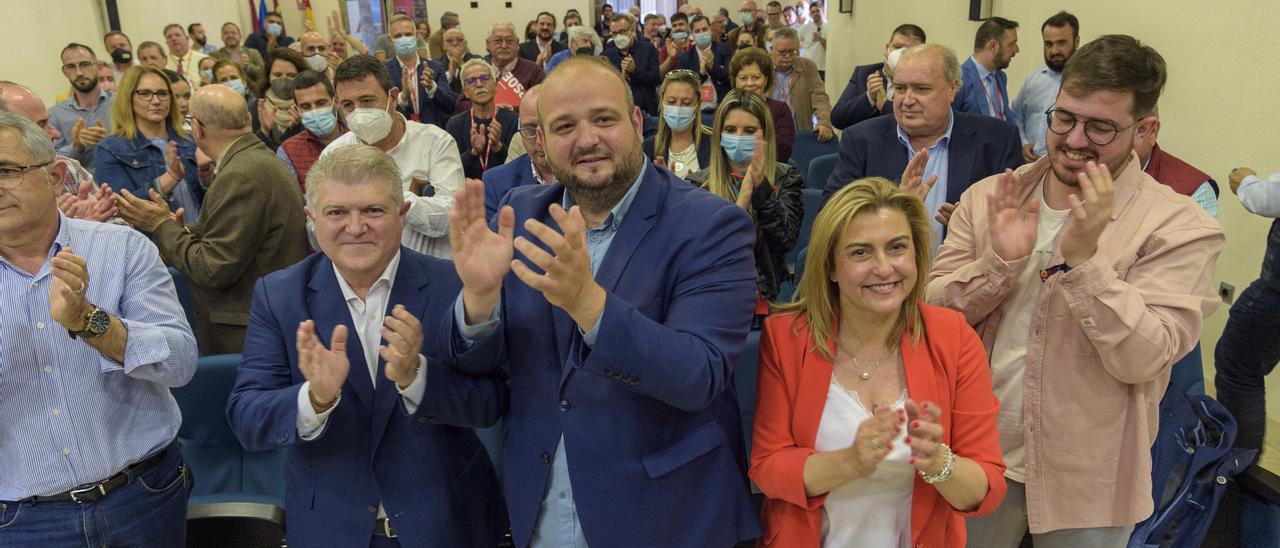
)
(99, 321)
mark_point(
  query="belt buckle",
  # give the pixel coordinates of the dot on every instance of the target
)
(101, 488)
(386, 528)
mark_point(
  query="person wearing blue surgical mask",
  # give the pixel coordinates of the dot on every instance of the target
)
(314, 105)
(744, 170)
(425, 94)
(271, 37)
(682, 143)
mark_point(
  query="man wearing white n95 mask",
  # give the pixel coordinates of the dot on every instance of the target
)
(427, 156)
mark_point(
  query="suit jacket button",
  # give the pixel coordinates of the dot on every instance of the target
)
(564, 406)
(422, 420)
(634, 381)
(546, 459)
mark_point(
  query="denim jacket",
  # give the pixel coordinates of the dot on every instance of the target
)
(135, 164)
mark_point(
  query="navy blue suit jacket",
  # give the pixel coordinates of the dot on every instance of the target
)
(972, 96)
(498, 180)
(428, 469)
(646, 78)
(719, 72)
(980, 146)
(435, 109)
(852, 106)
(649, 413)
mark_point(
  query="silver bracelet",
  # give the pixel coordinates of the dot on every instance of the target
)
(948, 466)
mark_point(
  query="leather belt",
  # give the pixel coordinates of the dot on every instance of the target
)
(95, 492)
(382, 528)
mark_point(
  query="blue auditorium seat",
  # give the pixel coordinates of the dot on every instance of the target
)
(807, 147)
(183, 287)
(820, 170)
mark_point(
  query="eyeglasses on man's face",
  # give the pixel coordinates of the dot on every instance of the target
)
(1099, 132)
(11, 175)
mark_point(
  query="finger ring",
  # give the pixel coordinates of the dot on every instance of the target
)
(83, 286)
(875, 443)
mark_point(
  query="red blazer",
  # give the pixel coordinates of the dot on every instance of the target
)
(948, 367)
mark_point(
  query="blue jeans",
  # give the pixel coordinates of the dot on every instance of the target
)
(1246, 353)
(150, 511)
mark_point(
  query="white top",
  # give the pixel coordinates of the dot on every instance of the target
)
(872, 511)
(810, 48)
(426, 153)
(1009, 353)
(684, 162)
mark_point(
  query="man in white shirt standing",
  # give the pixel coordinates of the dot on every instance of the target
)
(430, 166)
(1061, 34)
(813, 39)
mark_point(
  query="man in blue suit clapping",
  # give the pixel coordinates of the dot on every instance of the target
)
(620, 319)
(377, 426)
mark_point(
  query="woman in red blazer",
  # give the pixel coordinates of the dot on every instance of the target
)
(875, 423)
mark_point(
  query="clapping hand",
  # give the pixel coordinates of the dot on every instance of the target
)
(874, 440)
(481, 256)
(67, 304)
(876, 90)
(325, 368)
(402, 333)
(913, 177)
(924, 435)
(566, 282)
(1013, 236)
(1090, 216)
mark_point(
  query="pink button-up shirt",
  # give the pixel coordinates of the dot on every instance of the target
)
(1102, 341)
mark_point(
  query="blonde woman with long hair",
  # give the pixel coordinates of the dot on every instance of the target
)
(682, 143)
(875, 423)
(744, 170)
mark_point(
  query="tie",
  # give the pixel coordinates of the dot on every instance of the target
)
(182, 65)
(997, 102)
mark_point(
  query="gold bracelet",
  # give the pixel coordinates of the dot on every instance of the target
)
(948, 466)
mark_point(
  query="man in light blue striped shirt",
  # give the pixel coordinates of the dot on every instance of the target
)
(91, 339)
(1061, 34)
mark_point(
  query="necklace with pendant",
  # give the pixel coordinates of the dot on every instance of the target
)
(866, 371)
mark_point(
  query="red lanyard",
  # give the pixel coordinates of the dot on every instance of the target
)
(997, 107)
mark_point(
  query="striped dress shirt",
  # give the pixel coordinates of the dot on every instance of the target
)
(72, 416)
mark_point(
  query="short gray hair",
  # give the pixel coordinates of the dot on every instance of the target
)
(354, 164)
(578, 31)
(478, 62)
(786, 32)
(501, 24)
(950, 64)
(34, 139)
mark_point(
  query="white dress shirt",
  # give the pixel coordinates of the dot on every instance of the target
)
(426, 153)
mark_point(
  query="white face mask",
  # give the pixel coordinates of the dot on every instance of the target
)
(317, 62)
(370, 124)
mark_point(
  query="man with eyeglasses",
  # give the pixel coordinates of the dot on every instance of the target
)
(543, 45)
(515, 75)
(637, 59)
(483, 131)
(94, 339)
(530, 167)
(83, 119)
(1087, 280)
(797, 83)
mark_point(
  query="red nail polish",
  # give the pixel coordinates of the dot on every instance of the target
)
(911, 460)
(907, 440)
(915, 424)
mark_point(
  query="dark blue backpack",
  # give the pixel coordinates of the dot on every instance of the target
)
(1192, 459)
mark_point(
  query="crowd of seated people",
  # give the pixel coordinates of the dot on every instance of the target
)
(573, 233)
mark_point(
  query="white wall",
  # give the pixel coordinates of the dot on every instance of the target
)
(32, 35)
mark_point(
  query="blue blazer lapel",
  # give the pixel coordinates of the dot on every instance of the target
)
(329, 310)
(635, 225)
(560, 320)
(893, 155)
(960, 158)
(409, 289)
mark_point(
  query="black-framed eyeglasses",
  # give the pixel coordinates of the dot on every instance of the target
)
(147, 95)
(1099, 132)
(11, 176)
(483, 78)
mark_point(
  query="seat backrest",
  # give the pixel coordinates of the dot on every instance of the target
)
(806, 147)
(812, 199)
(218, 462)
(183, 287)
(1187, 376)
(820, 170)
(744, 383)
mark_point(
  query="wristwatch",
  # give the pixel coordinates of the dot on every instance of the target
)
(96, 323)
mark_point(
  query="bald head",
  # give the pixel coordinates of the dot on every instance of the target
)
(312, 43)
(220, 110)
(22, 101)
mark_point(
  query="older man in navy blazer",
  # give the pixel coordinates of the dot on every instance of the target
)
(957, 148)
(377, 426)
(530, 168)
(638, 61)
(621, 320)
